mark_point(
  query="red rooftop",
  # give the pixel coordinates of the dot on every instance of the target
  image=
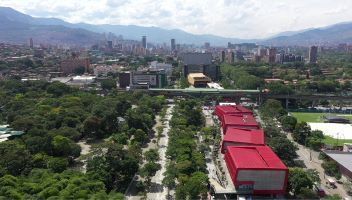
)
(234, 110)
(242, 137)
(242, 122)
(256, 169)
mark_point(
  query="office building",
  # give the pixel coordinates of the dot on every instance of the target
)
(173, 44)
(207, 45)
(31, 43)
(144, 42)
(110, 44)
(231, 57)
(70, 65)
(313, 54)
(143, 79)
(271, 55)
(222, 56)
(200, 63)
(198, 80)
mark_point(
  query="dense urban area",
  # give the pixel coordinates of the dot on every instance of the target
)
(127, 119)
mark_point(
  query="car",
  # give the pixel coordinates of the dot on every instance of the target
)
(320, 191)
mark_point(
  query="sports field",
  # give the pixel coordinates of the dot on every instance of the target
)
(315, 117)
(333, 141)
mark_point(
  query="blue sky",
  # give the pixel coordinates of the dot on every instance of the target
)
(229, 18)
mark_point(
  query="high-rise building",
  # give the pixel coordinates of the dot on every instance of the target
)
(200, 63)
(271, 55)
(313, 54)
(31, 43)
(207, 45)
(144, 41)
(110, 44)
(230, 57)
(173, 45)
(223, 56)
(261, 52)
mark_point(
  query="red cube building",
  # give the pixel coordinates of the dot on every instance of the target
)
(242, 137)
(256, 170)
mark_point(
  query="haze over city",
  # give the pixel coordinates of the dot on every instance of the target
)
(250, 19)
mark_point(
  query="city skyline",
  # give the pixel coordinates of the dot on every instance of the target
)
(252, 19)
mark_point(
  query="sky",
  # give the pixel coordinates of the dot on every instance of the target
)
(246, 19)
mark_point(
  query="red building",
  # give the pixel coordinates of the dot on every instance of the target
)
(242, 137)
(220, 111)
(256, 170)
(242, 122)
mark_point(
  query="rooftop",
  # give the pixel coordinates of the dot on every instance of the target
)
(255, 157)
(343, 158)
(248, 120)
(229, 109)
(244, 136)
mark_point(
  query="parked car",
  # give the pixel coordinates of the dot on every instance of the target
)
(320, 191)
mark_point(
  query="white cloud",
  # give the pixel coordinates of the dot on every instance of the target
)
(230, 18)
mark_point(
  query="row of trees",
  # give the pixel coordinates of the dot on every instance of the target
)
(187, 161)
(300, 182)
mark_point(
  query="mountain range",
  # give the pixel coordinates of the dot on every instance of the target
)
(16, 27)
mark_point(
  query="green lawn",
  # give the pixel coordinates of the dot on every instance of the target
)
(332, 141)
(308, 117)
(315, 117)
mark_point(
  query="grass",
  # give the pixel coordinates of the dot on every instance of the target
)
(309, 117)
(334, 142)
(315, 117)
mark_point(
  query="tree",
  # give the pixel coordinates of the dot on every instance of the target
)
(149, 170)
(333, 197)
(14, 158)
(57, 164)
(92, 127)
(108, 84)
(301, 133)
(272, 108)
(331, 168)
(249, 82)
(285, 149)
(313, 175)
(347, 185)
(298, 180)
(279, 88)
(151, 155)
(315, 141)
(58, 89)
(288, 122)
(306, 193)
(197, 185)
(140, 136)
(63, 146)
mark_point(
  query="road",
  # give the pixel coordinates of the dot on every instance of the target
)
(311, 161)
(158, 191)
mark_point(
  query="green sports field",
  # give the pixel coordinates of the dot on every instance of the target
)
(332, 141)
(315, 117)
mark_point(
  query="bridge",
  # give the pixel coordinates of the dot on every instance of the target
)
(237, 94)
